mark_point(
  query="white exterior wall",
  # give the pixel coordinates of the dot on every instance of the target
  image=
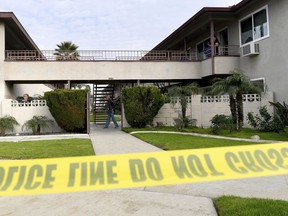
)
(107, 70)
(206, 108)
(30, 89)
(224, 64)
(271, 64)
(25, 111)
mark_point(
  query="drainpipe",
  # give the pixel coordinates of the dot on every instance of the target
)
(212, 33)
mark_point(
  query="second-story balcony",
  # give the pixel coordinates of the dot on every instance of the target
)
(102, 65)
(117, 55)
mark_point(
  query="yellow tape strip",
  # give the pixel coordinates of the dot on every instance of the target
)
(24, 177)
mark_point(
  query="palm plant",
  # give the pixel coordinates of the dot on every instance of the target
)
(182, 92)
(66, 51)
(37, 123)
(235, 85)
(281, 113)
(7, 123)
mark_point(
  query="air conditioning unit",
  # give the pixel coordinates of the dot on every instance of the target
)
(250, 49)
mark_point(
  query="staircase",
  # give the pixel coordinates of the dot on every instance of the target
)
(100, 92)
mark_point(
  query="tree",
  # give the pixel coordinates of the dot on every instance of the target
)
(66, 51)
(182, 92)
(235, 85)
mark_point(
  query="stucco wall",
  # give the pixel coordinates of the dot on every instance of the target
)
(271, 63)
(31, 89)
(108, 70)
(204, 108)
(25, 111)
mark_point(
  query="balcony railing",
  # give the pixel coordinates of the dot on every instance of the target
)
(113, 55)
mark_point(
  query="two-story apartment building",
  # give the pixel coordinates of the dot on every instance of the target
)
(252, 37)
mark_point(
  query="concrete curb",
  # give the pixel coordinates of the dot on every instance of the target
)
(43, 137)
(207, 135)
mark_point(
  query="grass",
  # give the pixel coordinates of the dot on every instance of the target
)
(225, 205)
(103, 118)
(236, 206)
(46, 149)
(180, 142)
(244, 133)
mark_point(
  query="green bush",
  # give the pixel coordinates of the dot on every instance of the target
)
(37, 123)
(68, 108)
(141, 104)
(281, 113)
(7, 123)
(220, 122)
(181, 123)
(265, 121)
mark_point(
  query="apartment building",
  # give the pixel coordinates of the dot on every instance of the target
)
(252, 37)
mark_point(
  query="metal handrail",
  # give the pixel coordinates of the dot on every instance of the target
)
(110, 55)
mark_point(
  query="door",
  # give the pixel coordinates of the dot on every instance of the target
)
(223, 37)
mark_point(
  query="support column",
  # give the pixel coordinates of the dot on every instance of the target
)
(212, 33)
(2, 41)
(122, 106)
(2, 58)
(69, 84)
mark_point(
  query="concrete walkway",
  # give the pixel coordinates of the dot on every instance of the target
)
(187, 199)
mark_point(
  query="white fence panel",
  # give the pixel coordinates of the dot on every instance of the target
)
(23, 111)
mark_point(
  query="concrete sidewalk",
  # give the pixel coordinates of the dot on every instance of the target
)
(188, 199)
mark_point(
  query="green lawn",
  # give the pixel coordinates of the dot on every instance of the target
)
(236, 206)
(244, 133)
(103, 118)
(225, 205)
(180, 142)
(46, 149)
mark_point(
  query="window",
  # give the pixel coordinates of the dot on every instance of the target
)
(203, 50)
(255, 26)
(260, 82)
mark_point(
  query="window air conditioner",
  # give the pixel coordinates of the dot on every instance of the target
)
(250, 49)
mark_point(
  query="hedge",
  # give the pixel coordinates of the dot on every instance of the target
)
(68, 108)
(141, 104)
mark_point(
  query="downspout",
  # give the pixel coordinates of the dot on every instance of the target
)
(212, 47)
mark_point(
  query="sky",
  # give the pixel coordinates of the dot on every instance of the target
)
(104, 24)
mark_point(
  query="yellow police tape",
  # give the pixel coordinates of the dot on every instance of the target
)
(24, 177)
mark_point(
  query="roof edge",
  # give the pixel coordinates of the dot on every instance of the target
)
(199, 14)
(11, 15)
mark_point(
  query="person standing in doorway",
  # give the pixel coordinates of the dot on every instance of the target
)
(110, 107)
(216, 45)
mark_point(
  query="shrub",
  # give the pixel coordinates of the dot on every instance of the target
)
(265, 121)
(37, 123)
(7, 123)
(68, 108)
(181, 123)
(141, 104)
(220, 122)
(281, 113)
